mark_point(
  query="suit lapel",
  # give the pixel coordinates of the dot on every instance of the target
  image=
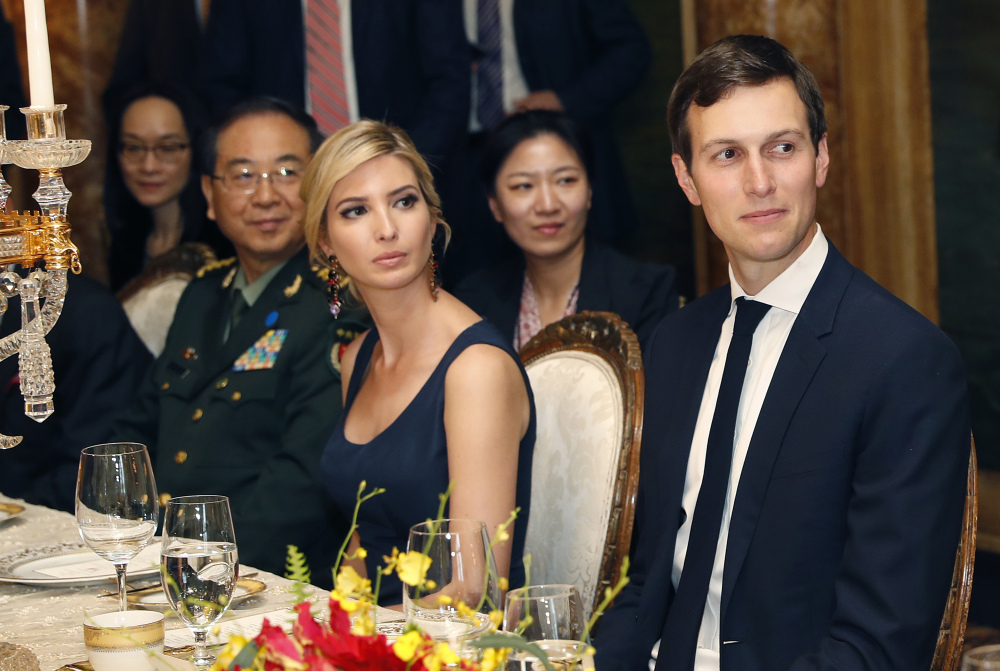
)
(801, 356)
(677, 425)
(594, 282)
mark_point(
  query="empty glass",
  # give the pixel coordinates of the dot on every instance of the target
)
(462, 570)
(984, 658)
(116, 504)
(550, 616)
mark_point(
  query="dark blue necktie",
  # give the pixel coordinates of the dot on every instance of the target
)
(680, 634)
(489, 76)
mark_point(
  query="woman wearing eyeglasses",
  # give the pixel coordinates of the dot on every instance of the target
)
(152, 198)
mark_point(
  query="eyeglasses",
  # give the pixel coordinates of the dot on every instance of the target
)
(168, 152)
(245, 180)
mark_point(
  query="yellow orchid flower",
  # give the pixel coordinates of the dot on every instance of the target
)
(350, 582)
(444, 600)
(406, 645)
(349, 605)
(412, 567)
(496, 617)
(504, 583)
(464, 610)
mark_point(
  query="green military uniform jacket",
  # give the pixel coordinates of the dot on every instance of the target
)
(249, 418)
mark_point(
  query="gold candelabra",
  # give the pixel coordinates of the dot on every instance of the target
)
(30, 239)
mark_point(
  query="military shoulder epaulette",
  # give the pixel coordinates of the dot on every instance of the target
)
(215, 265)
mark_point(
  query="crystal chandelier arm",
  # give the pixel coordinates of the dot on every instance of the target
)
(55, 293)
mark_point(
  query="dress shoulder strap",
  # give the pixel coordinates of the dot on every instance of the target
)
(361, 363)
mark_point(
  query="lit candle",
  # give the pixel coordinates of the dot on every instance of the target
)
(39, 66)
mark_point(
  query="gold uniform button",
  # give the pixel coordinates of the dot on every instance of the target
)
(237, 395)
(197, 414)
(165, 386)
(222, 383)
(180, 457)
(164, 499)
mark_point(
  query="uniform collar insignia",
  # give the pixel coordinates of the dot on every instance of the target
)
(293, 288)
(229, 278)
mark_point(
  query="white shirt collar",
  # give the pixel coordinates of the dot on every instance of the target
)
(789, 290)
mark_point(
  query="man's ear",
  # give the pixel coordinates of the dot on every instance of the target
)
(685, 180)
(206, 189)
(822, 161)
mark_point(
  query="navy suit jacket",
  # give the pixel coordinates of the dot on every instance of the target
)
(591, 53)
(411, 62)
(848, 510)
(640, 293)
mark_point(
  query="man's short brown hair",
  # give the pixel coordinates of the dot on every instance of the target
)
(739, 60)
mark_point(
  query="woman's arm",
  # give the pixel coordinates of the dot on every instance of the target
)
(486, 414)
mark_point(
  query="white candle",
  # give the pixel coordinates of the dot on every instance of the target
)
(39, 66)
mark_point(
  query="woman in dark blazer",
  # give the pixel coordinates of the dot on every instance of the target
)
(536, 169)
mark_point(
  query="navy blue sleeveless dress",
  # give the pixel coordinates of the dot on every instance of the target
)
(410, 460)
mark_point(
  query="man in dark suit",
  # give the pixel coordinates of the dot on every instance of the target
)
(806, 439)
(410, 61)
(247, 390)
(98, 362)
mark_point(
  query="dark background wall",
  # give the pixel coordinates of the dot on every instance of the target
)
(664, 233)
(964, 40)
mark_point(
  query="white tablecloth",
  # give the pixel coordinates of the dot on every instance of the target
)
(49, 620)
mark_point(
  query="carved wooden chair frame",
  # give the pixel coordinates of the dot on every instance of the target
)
(951, 636)
(606, 335)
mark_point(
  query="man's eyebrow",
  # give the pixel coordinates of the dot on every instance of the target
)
(770, 138)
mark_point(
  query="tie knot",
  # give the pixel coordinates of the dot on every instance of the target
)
(748, 315)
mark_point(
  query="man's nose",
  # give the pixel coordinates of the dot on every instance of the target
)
(265, 194)
(759, 180)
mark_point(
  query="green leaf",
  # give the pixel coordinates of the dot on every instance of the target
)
(297, 566)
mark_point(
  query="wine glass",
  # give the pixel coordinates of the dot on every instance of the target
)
(116, 504)
(983, 658)
(462, 570)
(550, 616)
(199, 564)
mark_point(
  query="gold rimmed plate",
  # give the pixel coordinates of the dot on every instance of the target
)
(153, 598)
(9, 511)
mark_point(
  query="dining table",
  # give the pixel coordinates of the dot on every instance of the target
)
(48, 619)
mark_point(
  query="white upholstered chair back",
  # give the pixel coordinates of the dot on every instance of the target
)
(150, 299)
(586, 377)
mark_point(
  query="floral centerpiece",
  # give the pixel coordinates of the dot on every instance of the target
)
(349, 640)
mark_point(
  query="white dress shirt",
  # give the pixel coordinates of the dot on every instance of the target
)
(786, 294)
(347, 55)
(514, 85)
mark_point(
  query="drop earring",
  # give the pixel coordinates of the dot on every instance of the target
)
(333, 288)
(433, 264)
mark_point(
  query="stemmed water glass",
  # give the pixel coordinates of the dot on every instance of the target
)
(199, 564)
(116, 505)
(551, 617)
(462, 570)
(984, 658)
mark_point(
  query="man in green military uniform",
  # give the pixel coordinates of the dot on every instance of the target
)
(247, 389)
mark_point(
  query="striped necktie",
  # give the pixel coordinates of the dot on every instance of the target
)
(489, 78)
(325, 65)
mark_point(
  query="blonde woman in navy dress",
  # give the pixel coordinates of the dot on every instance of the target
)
(433, 394)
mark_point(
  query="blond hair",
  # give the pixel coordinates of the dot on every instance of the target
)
(338, 156)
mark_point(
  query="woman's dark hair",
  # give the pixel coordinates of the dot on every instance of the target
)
(517, 128)
(129, 222)
(739, 60)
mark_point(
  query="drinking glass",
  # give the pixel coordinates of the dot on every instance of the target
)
(199, 564)
(116, 504)
(984, 658)
(462, 570)
(550, 616)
